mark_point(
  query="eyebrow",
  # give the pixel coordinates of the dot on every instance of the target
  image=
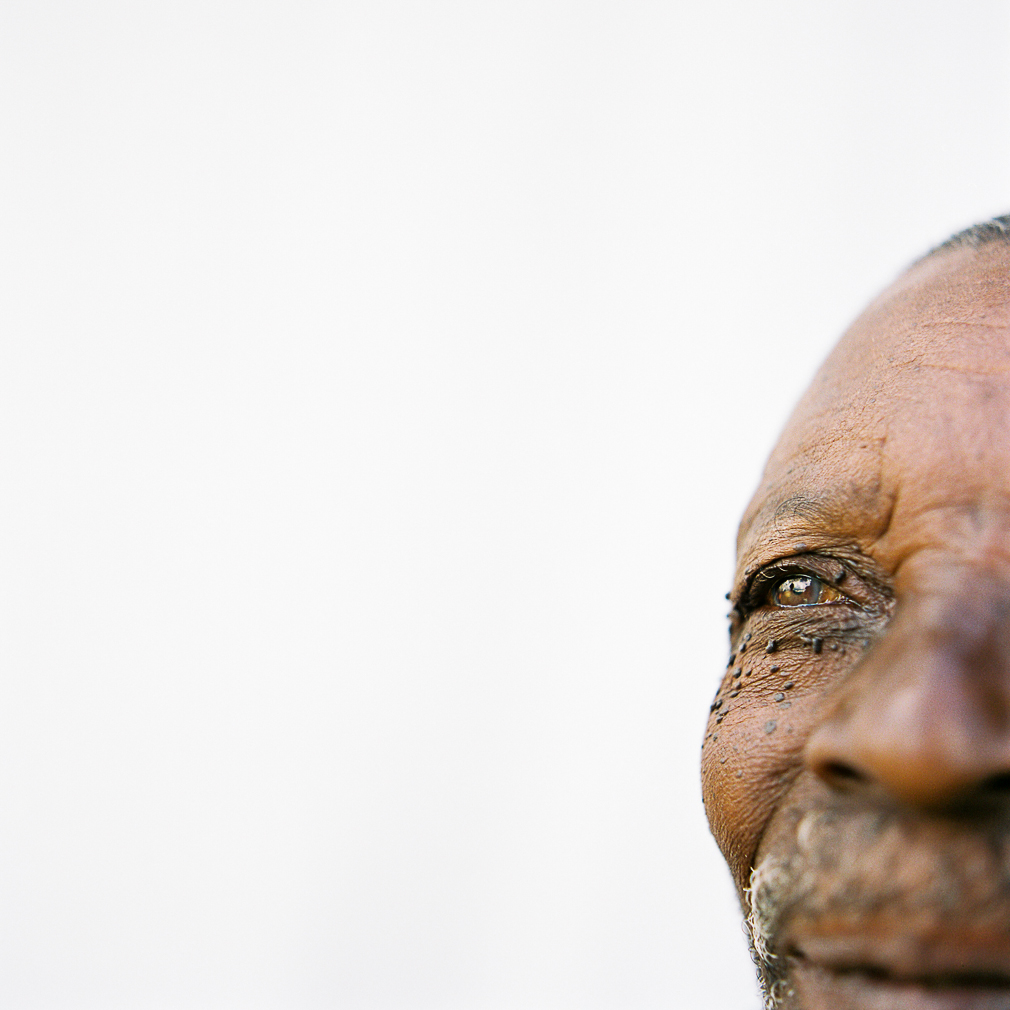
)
(803, 506)
(809, 514)
(803, 517)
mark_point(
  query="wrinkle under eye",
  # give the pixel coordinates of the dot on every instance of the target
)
(802, 591)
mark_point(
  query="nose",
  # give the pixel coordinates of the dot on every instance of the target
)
(925, 718)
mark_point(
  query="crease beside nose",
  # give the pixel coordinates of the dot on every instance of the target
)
(924, 720)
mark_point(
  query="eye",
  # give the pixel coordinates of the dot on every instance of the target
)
(802, 591)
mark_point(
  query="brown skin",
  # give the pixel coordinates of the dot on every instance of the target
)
(880, 776)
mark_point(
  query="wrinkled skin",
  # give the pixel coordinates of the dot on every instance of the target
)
(857, 775)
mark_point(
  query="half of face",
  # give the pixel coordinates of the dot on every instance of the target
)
(856, 765)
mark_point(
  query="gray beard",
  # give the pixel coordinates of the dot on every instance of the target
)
(914, 873)
(769, 893)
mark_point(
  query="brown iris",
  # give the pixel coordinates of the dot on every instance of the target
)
(802, 591)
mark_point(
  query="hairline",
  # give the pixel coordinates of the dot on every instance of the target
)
(995, 230)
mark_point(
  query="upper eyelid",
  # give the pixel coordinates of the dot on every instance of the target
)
(782, 568)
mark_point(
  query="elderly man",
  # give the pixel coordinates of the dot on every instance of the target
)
(856, 765)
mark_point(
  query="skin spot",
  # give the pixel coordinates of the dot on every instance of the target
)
(736, 673)
(780, 696)
(770, 726)
(787, 685)
(771, 646)
(747, 637)
(817, 644)
(775, 669)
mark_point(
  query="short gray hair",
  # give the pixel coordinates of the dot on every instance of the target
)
(996, 229)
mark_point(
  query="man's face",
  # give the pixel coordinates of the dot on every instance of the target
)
(856, 765)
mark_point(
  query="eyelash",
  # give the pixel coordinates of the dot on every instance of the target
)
(764, 581)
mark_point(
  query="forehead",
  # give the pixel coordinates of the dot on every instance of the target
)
(909, 414)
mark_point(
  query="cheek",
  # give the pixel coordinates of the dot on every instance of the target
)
(753, 750)
(746, 767)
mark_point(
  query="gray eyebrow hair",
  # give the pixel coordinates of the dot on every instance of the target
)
(814, 514)
(803, 507)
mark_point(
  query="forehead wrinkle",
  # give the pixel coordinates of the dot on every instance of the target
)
(969, 529)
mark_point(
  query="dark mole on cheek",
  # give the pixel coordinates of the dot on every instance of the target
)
(775, 669)
(736, 673)
(779, 696)
(818, 644)
(747, 637)
(743, 648)
(788, 684)
(771, 646)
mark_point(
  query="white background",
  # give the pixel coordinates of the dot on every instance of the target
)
(380, 385)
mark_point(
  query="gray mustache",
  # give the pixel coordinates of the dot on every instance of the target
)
(922, 874)
(868, 864)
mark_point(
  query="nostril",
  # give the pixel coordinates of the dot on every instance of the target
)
(998, 784)
(841, 775)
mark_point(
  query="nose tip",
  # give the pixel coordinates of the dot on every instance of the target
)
(915, 770)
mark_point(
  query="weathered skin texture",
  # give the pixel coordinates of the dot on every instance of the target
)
(858, 757)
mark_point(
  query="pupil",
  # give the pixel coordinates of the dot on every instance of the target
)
(797, 590)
